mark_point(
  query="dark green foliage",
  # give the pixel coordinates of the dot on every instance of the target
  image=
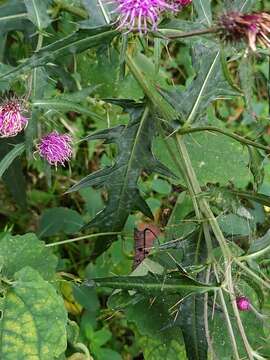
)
(134, 143)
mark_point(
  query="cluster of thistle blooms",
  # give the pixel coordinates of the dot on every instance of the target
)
(54, 147)
(136, 15)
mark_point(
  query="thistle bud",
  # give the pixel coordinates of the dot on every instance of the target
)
(253, 28)
(243, 303)
(55, 148)
(12, 121)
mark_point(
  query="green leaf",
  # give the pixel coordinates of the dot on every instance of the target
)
(120, 180)
(261, 245)
(37, 12)
(232, 224)
(191, 321)
(13, 176)
(26, 250)
(159, 340)
(33, 323)
(39, 83)
(239, 5)
(13, 15)
(209, 154)
(64, 105)
(256, 160)
(11, 155)
(251, 196)
(56, 220)
(74, 43)
(154, 349)
(209, 85)
(98, 12)
(203, 8)
(155, 284)
(161, 187)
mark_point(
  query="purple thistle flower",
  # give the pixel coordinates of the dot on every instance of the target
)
(55, 148)
(243, 303)
(12, 122)
(137, 14)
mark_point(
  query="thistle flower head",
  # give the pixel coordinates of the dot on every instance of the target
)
(243, 303)
(137, 14)
(55, 148)
(254, 28)
(12, 121)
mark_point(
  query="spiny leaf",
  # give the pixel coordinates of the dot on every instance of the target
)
(98, 13)
(208, 85)
(203, 8)
(13, 15)
(37, 12)
(120, 180)
(192, 324)
(77, 42)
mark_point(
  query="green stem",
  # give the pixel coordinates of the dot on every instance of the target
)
(178, 34)
(194, 186)
(227, 318)
(255, 254)
(236, 313)
(81, 238)
(182, 131)
(158, 102)
(203, 204)
(252, 274)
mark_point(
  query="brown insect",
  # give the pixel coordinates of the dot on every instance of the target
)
(144, 238)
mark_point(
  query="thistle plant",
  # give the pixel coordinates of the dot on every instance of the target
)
(168, 204)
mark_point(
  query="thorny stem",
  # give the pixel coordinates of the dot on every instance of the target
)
(227, 318)
(252, 273)
(205, 314)
(236, 313)
(206, 210)
(203, 205)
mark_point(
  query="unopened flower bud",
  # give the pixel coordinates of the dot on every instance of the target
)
(243, 303)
